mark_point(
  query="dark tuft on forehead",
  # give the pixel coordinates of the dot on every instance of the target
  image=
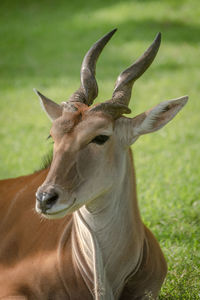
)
(74, 106)
(69, 106)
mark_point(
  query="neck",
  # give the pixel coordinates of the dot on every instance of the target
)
(109, 233)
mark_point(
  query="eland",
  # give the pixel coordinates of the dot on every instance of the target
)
(91, 242)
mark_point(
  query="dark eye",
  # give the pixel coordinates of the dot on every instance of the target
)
(100, 139)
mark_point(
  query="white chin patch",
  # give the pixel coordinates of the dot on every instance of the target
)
(56, 215)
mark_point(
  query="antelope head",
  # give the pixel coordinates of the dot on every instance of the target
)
(91, 141)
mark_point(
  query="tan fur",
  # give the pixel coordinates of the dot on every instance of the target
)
(37, 256)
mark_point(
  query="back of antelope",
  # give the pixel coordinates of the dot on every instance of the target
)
(95, 246)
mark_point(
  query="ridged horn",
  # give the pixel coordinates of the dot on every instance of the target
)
(118, 105)
(124, 83)
(88, 90)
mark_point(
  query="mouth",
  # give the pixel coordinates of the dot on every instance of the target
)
(59, 213)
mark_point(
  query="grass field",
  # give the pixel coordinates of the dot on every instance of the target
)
(42, 44)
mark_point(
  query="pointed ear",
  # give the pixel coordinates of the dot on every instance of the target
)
(52, 109)
(149, 121)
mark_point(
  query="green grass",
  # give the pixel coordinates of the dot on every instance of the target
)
(42, 45)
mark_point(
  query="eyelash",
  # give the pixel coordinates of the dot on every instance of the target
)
(100, 139)
(50, 137)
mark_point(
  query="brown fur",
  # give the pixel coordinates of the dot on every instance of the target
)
(31, 260)
(35, 254)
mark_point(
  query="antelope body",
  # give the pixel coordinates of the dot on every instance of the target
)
(92, 243)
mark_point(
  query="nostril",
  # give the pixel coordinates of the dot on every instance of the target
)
(51, 199)
(46, 200)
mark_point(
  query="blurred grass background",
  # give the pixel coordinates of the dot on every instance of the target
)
(42, 44)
